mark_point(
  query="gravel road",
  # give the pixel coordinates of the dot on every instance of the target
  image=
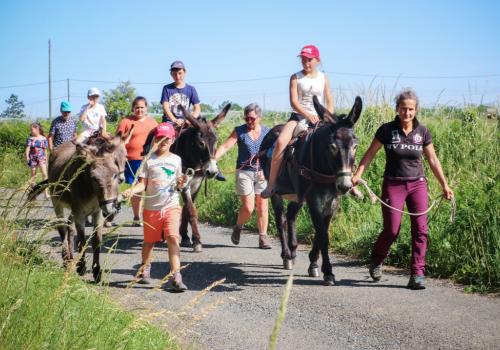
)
(240, 311)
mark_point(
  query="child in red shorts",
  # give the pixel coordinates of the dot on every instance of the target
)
(160, 177)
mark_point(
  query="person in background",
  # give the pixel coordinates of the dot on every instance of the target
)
(92, 115)
(179, 93)
(161, 176)
(405, 141)
(36, 153)
(304, 85)
(62, 128)
(143, 124)
(250, 181)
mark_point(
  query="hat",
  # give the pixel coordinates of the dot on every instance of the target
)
(309, 51)
(93, 92)
(177, 65)
(165, 130)
(65, 106)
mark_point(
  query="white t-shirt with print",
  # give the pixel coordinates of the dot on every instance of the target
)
(161, 173)
(93, 116)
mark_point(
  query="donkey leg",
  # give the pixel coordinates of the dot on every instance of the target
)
(318, 218)
(185, 240)
(80, 242)
(96, 241)
(64, 233)
(291, 216)
(278, 207)
(192, 215)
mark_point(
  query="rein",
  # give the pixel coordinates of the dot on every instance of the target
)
(375, 198)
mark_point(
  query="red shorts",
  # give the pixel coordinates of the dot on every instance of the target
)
(160, 224)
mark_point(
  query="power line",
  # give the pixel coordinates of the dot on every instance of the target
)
(30, 84)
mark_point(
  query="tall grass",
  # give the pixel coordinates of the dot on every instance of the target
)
(467, 144)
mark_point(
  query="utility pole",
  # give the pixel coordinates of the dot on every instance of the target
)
(50, 88)
(67, 87)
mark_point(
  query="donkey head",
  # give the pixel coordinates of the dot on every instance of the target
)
(342, 142)
(203, 141)
(106, 159)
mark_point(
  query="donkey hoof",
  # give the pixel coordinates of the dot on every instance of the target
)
(186, 243)
(329, 280)
(97, 273)
(287, 264)
(81, 268)
(313, 271)
(197, 247)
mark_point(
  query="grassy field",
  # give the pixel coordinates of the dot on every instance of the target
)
(466, 250)
(45, 307)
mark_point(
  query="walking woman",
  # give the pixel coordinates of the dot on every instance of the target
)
(143, 124)
(250, 180)
(404, 140)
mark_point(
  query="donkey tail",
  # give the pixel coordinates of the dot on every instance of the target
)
(35, 190)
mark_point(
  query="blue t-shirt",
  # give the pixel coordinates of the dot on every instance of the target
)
(62, 130)
(186, 96)
(248, 147)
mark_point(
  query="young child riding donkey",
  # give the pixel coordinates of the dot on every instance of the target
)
(316, 169)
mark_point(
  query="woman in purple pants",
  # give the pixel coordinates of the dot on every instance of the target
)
(404, 140)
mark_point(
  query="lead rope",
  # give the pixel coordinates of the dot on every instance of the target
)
(374, 198)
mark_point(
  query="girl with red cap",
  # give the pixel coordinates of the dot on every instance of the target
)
(161, 177)
(303, 86)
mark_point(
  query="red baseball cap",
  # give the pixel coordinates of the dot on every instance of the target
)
(309, 51)
(165, 130)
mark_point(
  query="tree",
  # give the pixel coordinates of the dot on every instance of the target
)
(234, 106)
(15, 108)
(118, 101)
(206, 108)
(155, 108)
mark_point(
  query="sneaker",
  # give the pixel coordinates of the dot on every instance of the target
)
(137, 223)
(376, 271)
(220, 177)
(416, 282)
(144, 274)
(175, 283)
(235, 237)
(264, 242)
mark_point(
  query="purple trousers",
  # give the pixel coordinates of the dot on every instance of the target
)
(396, 193)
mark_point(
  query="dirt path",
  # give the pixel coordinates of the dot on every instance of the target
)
(240, 312)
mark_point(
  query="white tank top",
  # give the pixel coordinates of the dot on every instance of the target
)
(307, 87)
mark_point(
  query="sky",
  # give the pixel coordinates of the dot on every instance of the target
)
(448, 51)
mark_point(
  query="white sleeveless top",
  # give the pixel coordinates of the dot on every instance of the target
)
(307, 87)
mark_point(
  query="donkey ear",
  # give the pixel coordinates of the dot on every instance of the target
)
(194, 122)
(355, 112)
(323, 113)
(220, 117)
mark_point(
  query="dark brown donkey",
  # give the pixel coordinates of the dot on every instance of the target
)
(316, 170)
(196, 146)
(84, 178)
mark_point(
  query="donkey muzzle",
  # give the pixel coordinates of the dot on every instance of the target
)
(344, 183)
(110, 207)
(211, 169)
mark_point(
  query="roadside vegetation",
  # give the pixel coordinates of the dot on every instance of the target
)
(466, 250)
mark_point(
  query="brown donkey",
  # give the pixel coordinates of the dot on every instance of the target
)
(85, 178)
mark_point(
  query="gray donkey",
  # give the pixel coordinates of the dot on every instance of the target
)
(85, 178)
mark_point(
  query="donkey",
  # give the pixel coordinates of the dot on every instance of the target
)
(85, 178)
(196, 146)
(317, 170)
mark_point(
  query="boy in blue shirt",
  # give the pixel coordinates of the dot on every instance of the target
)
(178, 93)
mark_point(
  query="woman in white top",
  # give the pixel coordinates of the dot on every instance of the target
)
(303, 86)
(92, 115)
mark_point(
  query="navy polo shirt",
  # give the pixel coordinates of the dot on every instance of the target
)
(403, 152)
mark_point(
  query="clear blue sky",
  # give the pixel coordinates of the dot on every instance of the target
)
(231, 40)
